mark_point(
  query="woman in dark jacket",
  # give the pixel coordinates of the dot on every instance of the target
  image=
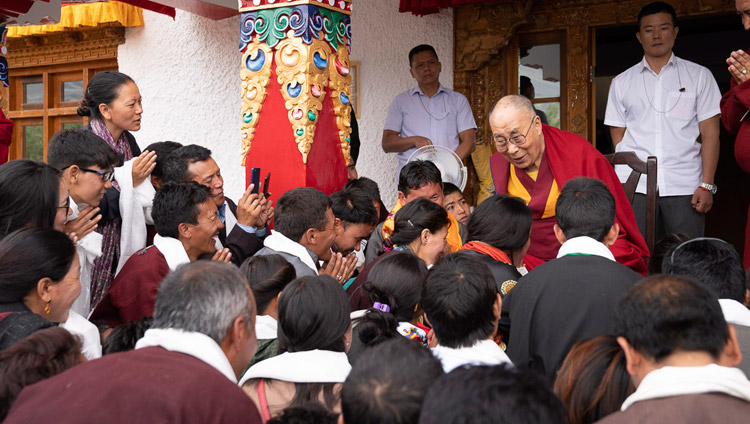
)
(499, 231)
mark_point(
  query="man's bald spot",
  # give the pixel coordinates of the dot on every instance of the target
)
(517, 103)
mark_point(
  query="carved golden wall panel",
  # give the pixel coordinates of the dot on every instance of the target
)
(65, 47)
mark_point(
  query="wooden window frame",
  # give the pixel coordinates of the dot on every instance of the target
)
(538, 39)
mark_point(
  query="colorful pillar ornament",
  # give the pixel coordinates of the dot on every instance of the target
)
(296, 90)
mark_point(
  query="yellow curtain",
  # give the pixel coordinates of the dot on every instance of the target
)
(73, 16)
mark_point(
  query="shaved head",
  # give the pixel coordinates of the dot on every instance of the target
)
(516, 102)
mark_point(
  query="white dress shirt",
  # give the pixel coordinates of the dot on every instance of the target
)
(440, 118)
(662, 121)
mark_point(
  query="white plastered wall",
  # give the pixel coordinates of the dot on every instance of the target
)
(188, 69)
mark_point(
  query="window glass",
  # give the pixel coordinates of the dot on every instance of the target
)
(72, 91)
(552, 110)
(72, 125)
(33, 142)
(33, 95)
(541, 64)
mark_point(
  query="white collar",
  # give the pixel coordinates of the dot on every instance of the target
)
(678, 381)
(645, 66)
(735, 312)
(173, 251)
(312, 366)
(281, 243)
(266, 327)
(440, 89)
(484, 352)
(191, 343)
(585, 245)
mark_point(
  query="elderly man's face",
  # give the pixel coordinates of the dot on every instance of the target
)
(517, 134)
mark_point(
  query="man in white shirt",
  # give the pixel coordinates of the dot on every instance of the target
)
(461, 301)
(429, 113)
(661, 107)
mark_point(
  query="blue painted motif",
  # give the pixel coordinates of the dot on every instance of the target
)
(320, 61)
(293, 90)
(256, 63)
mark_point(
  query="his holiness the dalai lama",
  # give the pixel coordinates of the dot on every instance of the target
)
(533, 161)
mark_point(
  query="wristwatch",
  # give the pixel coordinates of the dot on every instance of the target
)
(711, 188)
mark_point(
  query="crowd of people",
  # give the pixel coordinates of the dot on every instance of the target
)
(133, 290)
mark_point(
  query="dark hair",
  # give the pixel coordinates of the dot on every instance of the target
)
(30, 193)
(657, 7)
(593, 381)
(585, 207)
(397, 281)
(353, 206)
(389, 383)
(502, 221)
(450, 188)
(419, 49)
(175, 168)
(370, 188)
(176, 203)
(414, 217)
(486, 394)
(306, 413)
(524, 86)
(103, 88)
(124, 337)
(41, 355)
(80, 147)
(300, 209)
(712, 263)
(30, 254)
(163, 149)
(417, 173)
(663, 314)
(267, 275)
(458, 298)
(662, 247)
(313, 314)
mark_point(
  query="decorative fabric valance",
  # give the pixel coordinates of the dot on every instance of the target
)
(76, 15)
(426, 7)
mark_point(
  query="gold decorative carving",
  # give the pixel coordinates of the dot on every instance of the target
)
(340, 85)
(65, 47)
(482, 30)
(303, 85)
(255, 74)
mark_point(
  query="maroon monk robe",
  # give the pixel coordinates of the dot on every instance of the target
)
(568, 156)
(734, 106)
(149, 385)
(132, 294)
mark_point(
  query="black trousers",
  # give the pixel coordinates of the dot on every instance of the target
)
(674, 214)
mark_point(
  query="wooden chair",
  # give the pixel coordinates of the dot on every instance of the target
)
(640, 167)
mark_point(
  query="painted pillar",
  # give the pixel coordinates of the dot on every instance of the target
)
(295, 92)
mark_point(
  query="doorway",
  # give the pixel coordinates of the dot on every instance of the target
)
(707, 41)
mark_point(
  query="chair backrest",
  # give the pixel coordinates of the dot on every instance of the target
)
(639, 168)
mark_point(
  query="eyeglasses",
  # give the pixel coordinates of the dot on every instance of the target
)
(106, 176)
(517, 140)
(66, 206)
